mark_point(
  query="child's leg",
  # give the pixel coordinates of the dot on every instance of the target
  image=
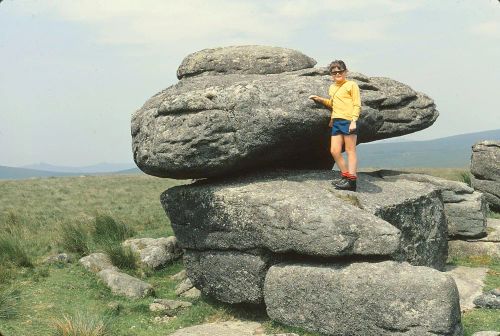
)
(336, 150)
(350, 149)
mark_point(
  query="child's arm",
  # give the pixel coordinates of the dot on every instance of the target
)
(325, 102)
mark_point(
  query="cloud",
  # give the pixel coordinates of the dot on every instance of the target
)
(489, 29)
(175, 22)
(361, 31)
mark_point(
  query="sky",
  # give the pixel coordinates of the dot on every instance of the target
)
(73, 72)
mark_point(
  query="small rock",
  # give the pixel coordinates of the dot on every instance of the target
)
(461, 248)
(470, 281)
(155, 253)
(183, 287)
(179, 276)
(124, 284)
(227, 328)
(163, 319)
(97, 262)
(58, 258)
(489, 300)
(193, 293)
(114, 306)
(168, 307)
(487, 333)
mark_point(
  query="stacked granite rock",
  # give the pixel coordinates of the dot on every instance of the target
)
(485, 169)
(265, 225)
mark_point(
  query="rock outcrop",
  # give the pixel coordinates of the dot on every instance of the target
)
(258, 230)
(485, 168)
(252, 118)
(485, 246)
(301, 213)
(465, 208)
(386, 298)
(237, 228)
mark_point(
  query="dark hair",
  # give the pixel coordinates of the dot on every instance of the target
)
(337, 64)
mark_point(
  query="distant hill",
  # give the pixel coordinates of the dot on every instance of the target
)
(16, 173)
(451, 152)
(102, 167)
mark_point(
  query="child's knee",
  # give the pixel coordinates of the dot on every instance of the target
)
(350, 152)
(335, 152)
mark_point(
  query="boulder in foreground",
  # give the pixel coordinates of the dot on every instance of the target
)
(383, 299)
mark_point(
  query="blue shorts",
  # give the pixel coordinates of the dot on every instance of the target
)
(341, 126)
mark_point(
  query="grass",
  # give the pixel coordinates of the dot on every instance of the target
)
(465, 177)
(121, 256)
(494, 214)
(8, 303)
(12, 251)
(83, 324)
(84, 214)
(74, 238)
(108, 230)
(482, 319)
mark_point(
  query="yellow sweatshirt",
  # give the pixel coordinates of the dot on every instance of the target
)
(345, 100)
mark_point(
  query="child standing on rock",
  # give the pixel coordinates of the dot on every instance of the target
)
(345, 102)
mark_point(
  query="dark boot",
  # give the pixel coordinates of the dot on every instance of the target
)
(337, 180)
(346, 184)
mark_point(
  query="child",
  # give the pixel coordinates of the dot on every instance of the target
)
(345, 103)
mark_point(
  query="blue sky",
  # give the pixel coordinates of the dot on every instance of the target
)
(72, 72)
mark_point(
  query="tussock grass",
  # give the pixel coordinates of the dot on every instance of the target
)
(82, 324)
(74, 238)
(121, 256)
(107, 229)
(8, 303)
(494, 214)
(12, 250)
(465, 177)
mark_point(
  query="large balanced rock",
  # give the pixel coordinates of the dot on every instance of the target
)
(300, 212)
(386, 298)
(465, 209)
(485, 168)
(210, 124)
(243, 60)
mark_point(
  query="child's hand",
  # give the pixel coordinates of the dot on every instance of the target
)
(314, 97)
(352, 127)
(330, 124)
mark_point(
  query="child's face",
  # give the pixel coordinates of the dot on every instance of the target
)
(338, 74)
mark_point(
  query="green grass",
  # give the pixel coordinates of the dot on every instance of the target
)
(121, 256)
(8, 303)
(482, 319)
(83, 324)
(74, 237)
(465, 177)
(493, 214)
(13, 251)
(80, 215)
(108, 230)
